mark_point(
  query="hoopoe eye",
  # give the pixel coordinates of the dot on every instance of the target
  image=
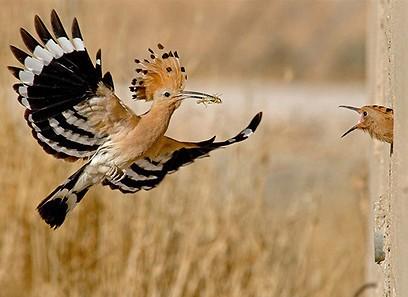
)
(166, 94)
(365, 113)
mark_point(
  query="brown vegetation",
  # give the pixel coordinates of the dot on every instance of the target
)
(289, 40)
(259, 219)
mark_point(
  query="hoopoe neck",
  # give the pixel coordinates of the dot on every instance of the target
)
(160, 113)
(140, 139)
(148, 131)
(382, 128)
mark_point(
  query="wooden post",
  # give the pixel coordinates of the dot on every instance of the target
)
(399, 181)
(388, 85)
(378, 89)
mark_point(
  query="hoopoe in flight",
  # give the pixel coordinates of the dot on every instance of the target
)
(74, 114)
(377, 120)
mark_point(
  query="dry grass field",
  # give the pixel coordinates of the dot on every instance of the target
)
(289, 40)
(283, 214)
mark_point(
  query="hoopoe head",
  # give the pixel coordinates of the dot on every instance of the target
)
(162, 78)
(374, 119)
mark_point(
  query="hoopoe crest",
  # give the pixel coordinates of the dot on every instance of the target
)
(74, 114)
(377, 120)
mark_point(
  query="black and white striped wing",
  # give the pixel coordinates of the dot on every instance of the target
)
(149, 172)
(57, 78)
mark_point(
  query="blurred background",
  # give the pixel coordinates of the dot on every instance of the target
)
(282, 214)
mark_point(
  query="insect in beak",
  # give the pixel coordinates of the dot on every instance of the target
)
(202, 97)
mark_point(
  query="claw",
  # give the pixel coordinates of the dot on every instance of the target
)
(115, 174)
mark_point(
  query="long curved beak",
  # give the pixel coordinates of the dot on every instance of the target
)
(356, 109)
(206, 98)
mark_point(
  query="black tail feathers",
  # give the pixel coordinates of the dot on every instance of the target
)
(55, 207)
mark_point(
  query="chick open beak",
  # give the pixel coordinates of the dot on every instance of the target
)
(356, 109)
(350, 130)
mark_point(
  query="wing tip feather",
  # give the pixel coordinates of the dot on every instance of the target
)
(57, 25)
(253, 125)
(76, 32)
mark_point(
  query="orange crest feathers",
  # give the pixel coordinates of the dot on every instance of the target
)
(381, 108)
(162, 70)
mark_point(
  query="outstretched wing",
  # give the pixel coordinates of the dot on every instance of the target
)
(169, 156)
(70, 107)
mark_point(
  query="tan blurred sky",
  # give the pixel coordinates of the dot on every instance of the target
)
(313, 40)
